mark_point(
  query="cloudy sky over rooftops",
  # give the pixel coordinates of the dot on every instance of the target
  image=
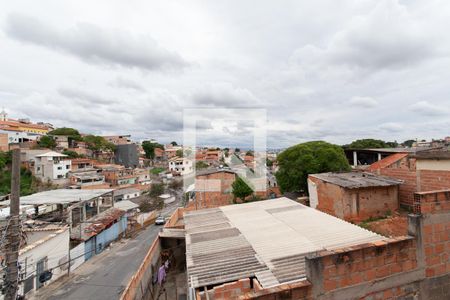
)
(328, 70)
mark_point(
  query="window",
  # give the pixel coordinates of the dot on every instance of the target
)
(67, 167)
(59, 168)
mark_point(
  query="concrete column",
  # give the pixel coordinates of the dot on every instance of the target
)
(98, 205)
(314, 273)
(355, 158)
(379, 156)
(84, 212)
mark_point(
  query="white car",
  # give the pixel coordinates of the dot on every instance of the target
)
(160, 220)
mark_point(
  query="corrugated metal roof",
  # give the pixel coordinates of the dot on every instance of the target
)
(266, 239)
(354, 180)
(61, 196)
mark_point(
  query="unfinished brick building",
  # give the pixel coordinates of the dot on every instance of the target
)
(353, 196)
(422, 171)
(213, 188)
(279, 249)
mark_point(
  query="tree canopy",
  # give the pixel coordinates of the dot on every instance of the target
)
(174, 143)
(370, 143)
(149, 148)
(98, 143)
(296, 162)
(47, 142)
(71, 154)
(241, 189)
(70, 132)
(179, 153)
(408, 143)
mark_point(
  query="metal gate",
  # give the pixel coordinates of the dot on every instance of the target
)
(40, 268)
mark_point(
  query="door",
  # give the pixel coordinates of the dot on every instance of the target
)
(40, 268)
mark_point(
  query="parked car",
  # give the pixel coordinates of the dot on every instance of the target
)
(160, 220)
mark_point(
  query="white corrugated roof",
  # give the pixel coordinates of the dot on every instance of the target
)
(280, 231)
(62, 196)
(125, 205)
(51, 154)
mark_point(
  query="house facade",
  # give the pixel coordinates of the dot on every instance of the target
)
(52, 166)
(353, 196)
(180, 166)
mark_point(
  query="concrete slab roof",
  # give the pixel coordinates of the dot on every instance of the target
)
(354, 180)
(264, 239)
(125, 205)
(62, 196)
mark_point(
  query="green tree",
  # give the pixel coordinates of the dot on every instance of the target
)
(47, 142)
(71, 154)
(408, 143)
(296, 162)
(70, 132)
(174, 143)
(249, 153)
(156, 189)
(366, 143)
(269, 163)
(149, 149)
(201, 165)
(5, 159)
(237, 150)
(179, 153)
(241, 189)
(98, 143)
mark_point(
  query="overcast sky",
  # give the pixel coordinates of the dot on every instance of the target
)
(323, 70)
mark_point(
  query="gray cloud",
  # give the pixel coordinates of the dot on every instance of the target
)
(428, 109)
(83, 97)
(365, 102)
(224, 95)
(94, 44)
(125, 83)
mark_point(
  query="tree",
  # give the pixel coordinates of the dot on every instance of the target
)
(47, 142)
(269, 163)
(296, 162)
(366, 143)
(71, 154)
(70, 132)
(249, 153)
(149, 148)
(241, 189)
(145, 205)
(5, 159)
(156, 189)
(237, 150)
(174, 143)
(98, 143)
(408, 143)
(201, 165)
(179, 153)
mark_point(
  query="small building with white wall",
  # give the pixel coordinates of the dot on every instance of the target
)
(180, 166)
(52, 166)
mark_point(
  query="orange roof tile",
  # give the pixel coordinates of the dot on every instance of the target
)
(387, 161)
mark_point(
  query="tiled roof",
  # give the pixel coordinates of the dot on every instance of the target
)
(263, 239)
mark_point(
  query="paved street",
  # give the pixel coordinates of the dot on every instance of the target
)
(106, 275)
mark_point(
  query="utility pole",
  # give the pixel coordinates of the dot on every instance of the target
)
(13, 235)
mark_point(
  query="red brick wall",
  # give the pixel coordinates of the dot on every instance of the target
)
(409, 186)
(368, 264)
(355, 205)
(436, 233)
(431, 180)
(222, 197)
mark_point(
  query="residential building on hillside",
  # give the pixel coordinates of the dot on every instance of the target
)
(180, 166)
(126, 194)
(22, 125)
(127, 155)
(4, 142)
(52, 166)
(420, 171)
(353, 196)
(118, 139)
(117, 175)
(213, 188)
(366, 157)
